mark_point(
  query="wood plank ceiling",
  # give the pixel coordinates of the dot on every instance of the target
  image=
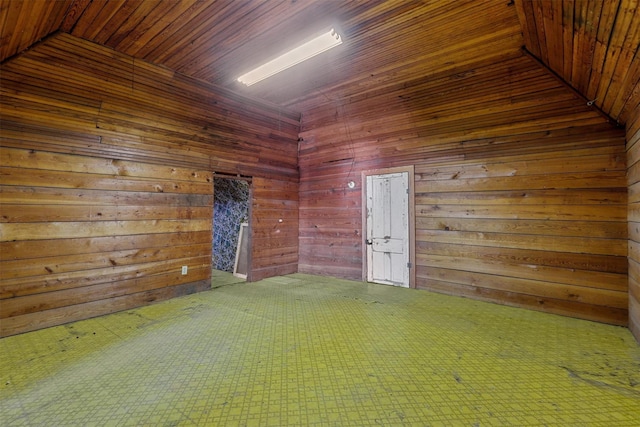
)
(590, 44)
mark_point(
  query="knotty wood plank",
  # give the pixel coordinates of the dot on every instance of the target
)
(633, 183)
(50, 282)
(68, 263)
(153, 25)
(16, 213)
(567, 9)
(70, 196)
(507, 185)
(576, 278)
(616, 316)
(62, 179)
(542, 227)
(147, 113)
(38, 320)
(68, 230)
(36, 249)
(587, 295)
(529, 257)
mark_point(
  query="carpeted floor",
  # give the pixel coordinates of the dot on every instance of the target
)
(302, 350)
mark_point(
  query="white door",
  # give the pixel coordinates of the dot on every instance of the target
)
(388, 229)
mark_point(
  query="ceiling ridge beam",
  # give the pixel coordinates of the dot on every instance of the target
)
(588, 102)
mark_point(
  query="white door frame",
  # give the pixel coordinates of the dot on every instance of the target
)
(411, 216)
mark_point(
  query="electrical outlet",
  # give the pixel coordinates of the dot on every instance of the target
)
(184, 269)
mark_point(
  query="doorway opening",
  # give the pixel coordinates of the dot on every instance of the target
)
(230, 211)
(388, 222)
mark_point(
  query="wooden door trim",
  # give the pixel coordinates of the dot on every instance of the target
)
(412, 218)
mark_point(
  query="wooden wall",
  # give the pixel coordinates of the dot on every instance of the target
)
(86, 236)
(106, 182)
(520, 187)
(633, 180)
(274, 218)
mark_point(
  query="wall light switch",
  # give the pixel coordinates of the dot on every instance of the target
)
(184, 269)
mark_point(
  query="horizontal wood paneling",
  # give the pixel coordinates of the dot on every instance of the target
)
(67, 94)
(57, 316)
(593, 46)
(633, 181)
(106, 191)
(330, 221)
(274, 228)
(520, 193)
(66, 261)
(24, 22)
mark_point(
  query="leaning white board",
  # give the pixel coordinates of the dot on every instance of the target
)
(242, 252)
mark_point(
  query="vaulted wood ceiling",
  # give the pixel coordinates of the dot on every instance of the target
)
(591, 44)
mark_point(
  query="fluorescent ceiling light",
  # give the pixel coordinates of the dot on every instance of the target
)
(295, 56)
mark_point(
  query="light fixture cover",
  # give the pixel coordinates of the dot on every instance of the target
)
(295, 56)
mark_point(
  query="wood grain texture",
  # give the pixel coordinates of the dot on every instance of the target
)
(633, 181)
(22, 23)
(591, 45)
(274, 228)
(516, 177)
(69, 260)
(108, 105)
(106, 182)
(520, 190)
(60, 315)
